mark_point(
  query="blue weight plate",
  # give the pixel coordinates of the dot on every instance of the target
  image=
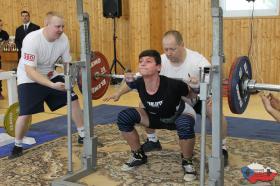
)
(238, 98)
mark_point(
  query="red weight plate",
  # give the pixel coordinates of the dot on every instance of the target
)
(99, 85)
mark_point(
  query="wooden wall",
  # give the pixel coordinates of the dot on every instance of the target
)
(144, 22)
(265, 50)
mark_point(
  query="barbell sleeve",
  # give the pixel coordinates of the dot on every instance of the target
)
(253, 86)
(270, 87)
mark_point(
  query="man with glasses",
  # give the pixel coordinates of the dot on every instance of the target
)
(4, 37)
(23, 30)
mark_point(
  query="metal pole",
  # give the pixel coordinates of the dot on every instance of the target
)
(203, 98)
(216, 167)
(115, 46)
(69, 114)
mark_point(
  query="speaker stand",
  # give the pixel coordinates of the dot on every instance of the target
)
(115, 60)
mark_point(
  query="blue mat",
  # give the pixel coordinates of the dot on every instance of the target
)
(57, 127)
(248, 128)
(106, 114)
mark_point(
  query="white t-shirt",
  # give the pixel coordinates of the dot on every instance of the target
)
(41, 54)
(189, 68)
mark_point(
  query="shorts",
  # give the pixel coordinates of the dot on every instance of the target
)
(156, 123)
(32, 96)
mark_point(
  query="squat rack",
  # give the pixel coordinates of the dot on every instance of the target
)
(89, 158)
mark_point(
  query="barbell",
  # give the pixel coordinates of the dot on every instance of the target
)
(241, 85)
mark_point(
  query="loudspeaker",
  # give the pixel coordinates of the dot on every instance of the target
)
(112, 8)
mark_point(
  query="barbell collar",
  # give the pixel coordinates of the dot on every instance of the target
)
(249, 85)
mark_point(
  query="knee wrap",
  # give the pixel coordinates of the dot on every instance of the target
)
(127, 119)
(185, 126)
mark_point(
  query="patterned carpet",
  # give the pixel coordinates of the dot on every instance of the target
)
(42, 164)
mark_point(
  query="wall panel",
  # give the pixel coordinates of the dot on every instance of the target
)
(193, 19)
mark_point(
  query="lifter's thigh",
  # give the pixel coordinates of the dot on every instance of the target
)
(144, 117)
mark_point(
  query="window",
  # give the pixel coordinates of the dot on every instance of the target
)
(243, 8)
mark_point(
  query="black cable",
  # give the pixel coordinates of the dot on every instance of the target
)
(251, 30)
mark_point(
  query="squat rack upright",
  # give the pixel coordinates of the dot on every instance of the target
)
(89, 159)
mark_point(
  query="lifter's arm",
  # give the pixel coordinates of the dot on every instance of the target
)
(122, 90)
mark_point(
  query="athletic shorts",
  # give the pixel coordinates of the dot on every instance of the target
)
(156, 123)
(32, 96)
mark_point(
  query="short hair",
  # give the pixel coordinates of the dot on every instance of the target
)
(54, 13)
(51, 14)
(176, 34)
(24, 12)
(151, 53)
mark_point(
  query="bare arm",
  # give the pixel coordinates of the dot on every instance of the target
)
(39, 78)
(122, 90)
(269, 108)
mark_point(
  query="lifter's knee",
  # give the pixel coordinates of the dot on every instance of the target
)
(185, 127)
(127, 119)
